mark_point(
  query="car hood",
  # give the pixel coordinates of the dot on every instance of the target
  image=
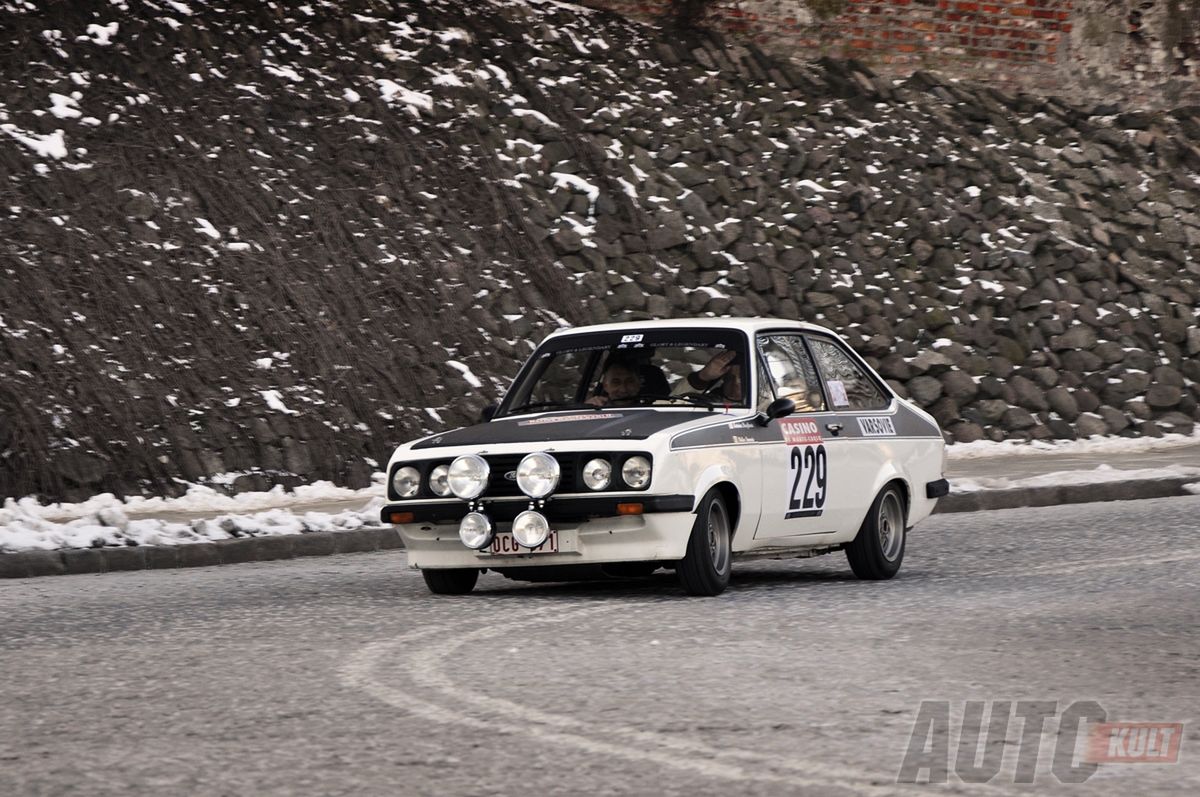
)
(574, 425)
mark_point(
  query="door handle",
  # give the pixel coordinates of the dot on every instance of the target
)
(834, 428)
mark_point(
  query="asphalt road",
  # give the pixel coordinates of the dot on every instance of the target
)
(341, 675)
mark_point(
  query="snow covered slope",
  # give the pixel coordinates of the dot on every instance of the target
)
(259, 243)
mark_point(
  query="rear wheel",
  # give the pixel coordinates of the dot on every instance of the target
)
(451, 582)
(705, 567)
(877, 551)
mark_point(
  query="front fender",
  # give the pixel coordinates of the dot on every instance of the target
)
(710, 477)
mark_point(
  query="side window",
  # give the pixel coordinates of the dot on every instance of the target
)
(792, 371)
(847, 385)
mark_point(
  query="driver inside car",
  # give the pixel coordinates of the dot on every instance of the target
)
(720, 379)
(619, 382)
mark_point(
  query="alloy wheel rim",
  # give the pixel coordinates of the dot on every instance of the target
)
(718, 537)
(891, 527)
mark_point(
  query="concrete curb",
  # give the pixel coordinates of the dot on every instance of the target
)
(203, 554)
(28, 564)
(1055, 495)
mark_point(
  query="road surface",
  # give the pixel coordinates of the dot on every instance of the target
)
(341, 675)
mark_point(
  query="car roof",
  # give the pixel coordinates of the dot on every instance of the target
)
(749, 325)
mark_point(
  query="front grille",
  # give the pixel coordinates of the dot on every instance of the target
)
(499, 486)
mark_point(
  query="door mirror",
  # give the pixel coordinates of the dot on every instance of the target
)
(488, 412)
(779, 408)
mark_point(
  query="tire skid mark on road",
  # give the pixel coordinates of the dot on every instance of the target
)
(426, 667)
(358, 672)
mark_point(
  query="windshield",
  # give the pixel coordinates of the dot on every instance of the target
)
(704, 368)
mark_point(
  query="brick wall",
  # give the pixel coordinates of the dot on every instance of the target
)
(1140, 52)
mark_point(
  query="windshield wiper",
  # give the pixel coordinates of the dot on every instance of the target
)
(562, 405)
(691, 399)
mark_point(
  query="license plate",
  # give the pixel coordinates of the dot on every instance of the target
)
(505, 545)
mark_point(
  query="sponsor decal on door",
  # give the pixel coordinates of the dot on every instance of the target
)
(877, 427)
(798, 432)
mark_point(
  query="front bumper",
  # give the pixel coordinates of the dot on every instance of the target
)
(560, 510)
(589, 532)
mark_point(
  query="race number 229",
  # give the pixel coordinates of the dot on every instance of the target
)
(808, 481)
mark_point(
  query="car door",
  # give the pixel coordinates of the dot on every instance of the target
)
(860, 435)
(796, 486)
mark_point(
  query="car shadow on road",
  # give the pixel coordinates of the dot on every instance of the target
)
(661, 585)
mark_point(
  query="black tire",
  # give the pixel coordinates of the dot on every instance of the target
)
(451, 582)
(878, 550)
(705, 567)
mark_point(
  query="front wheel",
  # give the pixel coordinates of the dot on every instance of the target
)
(877, 551)
(705, 567)
(451, 582)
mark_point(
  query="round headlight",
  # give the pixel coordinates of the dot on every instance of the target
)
(597, 474)
(439, 481)
(537, 475)
(468, 476)
(475, 530)
(636, 472)
(530, 529)
(406, 481)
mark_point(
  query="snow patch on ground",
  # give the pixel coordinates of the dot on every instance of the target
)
(198, 500)
(202, 515)
(1100, 445)
(1099, 475)
(113, 528)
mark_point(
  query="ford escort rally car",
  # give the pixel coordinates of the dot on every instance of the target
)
(622, 448)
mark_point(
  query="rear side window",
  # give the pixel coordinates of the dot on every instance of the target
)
(846, 383)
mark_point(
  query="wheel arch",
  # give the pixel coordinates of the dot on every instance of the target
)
(905, 495)
(886, 478)
(721, 477)
(733, 502)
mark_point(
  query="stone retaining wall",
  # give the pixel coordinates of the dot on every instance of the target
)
(254, 246)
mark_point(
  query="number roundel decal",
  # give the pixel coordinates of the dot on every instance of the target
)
(808, 481)
(808, 469)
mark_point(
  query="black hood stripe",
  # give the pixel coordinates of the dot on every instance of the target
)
(572, 425)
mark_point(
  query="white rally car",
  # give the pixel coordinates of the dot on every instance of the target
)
(622, 448)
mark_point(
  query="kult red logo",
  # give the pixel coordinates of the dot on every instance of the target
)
(1134, 742)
